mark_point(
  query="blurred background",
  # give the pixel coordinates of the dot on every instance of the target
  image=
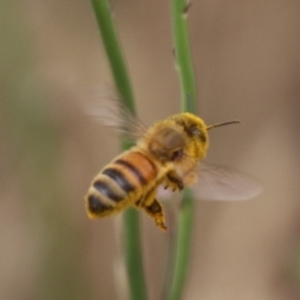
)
(247, 61)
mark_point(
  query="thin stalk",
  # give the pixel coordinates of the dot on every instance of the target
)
(184, 62)
(183, 245)
(114, 52)
(188, 90)
(133, 252)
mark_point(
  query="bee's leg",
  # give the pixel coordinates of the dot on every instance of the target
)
(153, 208)
(173, 182)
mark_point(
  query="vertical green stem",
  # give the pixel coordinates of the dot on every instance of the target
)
(188, 90)
(183, 245)
(114, 52)
(183, 55)
(133, 252)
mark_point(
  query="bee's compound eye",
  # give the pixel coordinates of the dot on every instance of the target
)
(194, 130)
(177, 154)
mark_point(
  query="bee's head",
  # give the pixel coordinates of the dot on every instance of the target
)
(179, 136)
(196, 133)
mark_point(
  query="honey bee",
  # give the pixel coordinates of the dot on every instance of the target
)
(167, 154)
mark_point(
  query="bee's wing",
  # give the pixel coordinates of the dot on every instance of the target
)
(221, 183)
(112, 112)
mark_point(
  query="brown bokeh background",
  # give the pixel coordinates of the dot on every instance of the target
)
(247, 62)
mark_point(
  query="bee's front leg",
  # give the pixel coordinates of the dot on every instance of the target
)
(173, 181)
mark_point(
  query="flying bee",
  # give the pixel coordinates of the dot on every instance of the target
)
(167, 154)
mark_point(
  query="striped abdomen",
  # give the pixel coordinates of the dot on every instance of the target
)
(120, 184)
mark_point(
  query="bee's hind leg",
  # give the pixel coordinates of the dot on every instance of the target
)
(153, 208)
(155, 211)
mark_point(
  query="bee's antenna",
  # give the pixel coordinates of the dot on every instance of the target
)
(221, 124)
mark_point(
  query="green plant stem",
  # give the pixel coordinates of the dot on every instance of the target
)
(183, 246)
(133, 252)
(188, 89)
(184, 62)
(114, 52)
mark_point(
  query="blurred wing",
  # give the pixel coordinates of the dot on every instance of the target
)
(111, 112)
(221, 183)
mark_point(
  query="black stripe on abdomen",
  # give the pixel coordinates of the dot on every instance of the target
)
(133, 169)
(96, 206)
(119, 178)
(106, 190)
